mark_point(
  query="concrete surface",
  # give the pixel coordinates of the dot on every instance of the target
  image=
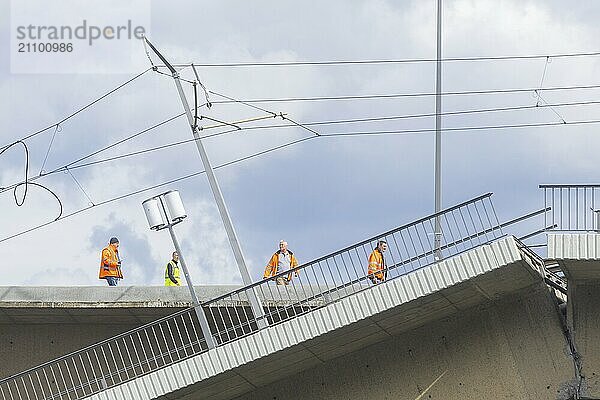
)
(511, 348)
(584, 322)
(578, 255)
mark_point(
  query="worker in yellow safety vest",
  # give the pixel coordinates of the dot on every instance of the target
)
(377, 271)
(172, 271)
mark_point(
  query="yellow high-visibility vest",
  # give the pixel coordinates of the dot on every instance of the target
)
(168, 281)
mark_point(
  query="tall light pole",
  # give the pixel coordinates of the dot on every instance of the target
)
(216, 191)
(165, 211)
(438, 136)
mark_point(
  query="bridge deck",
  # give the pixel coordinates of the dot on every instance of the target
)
(485, 273)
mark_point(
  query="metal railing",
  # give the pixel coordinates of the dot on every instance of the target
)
(556, 282)
(572, 207)
(344, 272)
(313, 285)
(110, 362)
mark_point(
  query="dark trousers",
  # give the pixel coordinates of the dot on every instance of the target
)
(112, 280)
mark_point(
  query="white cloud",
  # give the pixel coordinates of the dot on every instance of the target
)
(318, 195)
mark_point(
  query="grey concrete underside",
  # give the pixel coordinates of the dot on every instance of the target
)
(38, 324)
(456, 286)
(510, 348)
(578, 255)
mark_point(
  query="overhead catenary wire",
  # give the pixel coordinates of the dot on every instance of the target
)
(133, 193)
(77, 163)
(265, 152)
(341, 134)
(83, 108)
(315, 98)
(387, 61)
(199, 82)
(401, 95)
(447, 113)
(110, 146)
(307, 63)
(291, 143)
(72, 165)
(60, 217)
(425, 115)
(304, 126)
(154, 68)
(462, 129)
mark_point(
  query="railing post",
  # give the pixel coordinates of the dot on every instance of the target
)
(570, 205)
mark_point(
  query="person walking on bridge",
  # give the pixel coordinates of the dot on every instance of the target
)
(110, 263)
(377, 271)
(282, 260)
(172, 277)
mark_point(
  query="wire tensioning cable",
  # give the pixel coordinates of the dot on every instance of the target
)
(284, 117)
(546, 104)
(26, 182)
(208, 103)
(274, 114)
(67, 170)
(56, 130)
(542, 79)
(244, 103)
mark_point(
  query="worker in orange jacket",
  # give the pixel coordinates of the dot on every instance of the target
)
(377, 272)
(282, 260)
(110, 263)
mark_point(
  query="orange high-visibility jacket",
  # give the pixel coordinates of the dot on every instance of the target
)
(109, 263)
(376, 264)
(272, 267)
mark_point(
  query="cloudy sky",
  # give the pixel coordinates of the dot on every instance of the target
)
(321, 194)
